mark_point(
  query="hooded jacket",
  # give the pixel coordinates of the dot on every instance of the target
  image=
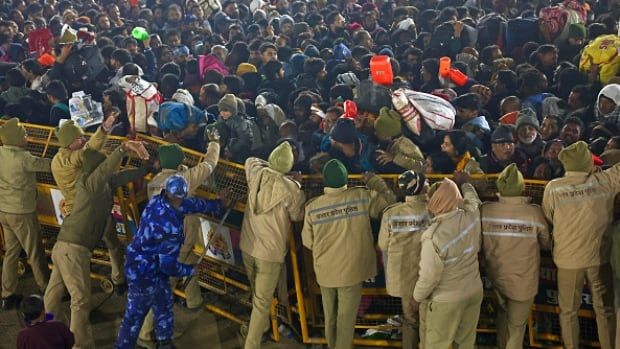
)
(611, 91)
(513, 232)
(400, 236)
(578, 203)
(337, 230)
(274, 200)
(449, 269)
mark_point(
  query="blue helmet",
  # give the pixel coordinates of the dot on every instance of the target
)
(177, 187)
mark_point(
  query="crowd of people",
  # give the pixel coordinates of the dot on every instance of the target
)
(287, 88)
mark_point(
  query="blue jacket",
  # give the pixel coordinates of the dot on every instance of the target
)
(155, 248)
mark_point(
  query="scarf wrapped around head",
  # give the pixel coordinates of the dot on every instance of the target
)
(446, 198)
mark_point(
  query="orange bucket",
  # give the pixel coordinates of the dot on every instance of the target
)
(381, 70)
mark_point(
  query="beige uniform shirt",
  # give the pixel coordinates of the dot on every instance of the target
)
(18, 179)
(580, 207)
(449, 269)
(337, 230)
(513, 232)
(400, 236)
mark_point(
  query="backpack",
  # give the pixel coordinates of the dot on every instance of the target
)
(84, 64)
(143, 102)
(491, 30)
(519, 31)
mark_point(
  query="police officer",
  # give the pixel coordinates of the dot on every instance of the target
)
(274, 201)
(337, 230)
(449, 278)
(580, 208)
(18, 216)
(152, 258)
(171, 158)
(402, 226)
(513, 232)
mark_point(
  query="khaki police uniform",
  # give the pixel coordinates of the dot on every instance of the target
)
(580, 207)
(18, 216)
(274, 201)
(513, 232)
(400, 235)
(449, 278)
(194, 177)
(337, 230)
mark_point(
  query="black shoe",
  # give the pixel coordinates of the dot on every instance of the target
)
(120, 289)
(167, 344)
(12, 301)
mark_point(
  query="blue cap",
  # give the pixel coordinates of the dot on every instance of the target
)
(181, 51)
(176, 186)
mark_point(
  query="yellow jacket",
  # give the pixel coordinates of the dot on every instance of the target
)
(449, 259)
(580, 206)
(194, 176)
(66, 166)
(274, 200)
(337, 230)
(400, 236)
(18, 179)
(513, 232)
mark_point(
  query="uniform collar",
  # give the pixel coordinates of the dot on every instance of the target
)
(575, 174)
(514, 199)
(332, 191)
(415, 198)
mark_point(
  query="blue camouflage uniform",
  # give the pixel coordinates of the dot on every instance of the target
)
(151, 261)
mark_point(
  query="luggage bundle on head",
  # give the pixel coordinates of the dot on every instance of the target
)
(414, 107)
(84, 64)
(555, 20)
(519, 31)
(372, 97)
(491, 30)
(143, 102)
(603, 52)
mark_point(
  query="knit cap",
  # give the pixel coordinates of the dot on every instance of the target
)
(286, 19)
(576, 157)
(388, 124)
(335, 174)
(510, 181)
(577, 31)
(411, 182)
(12, 133)
(281, 158)
(171, 156)
(344, 131)
(228, 103)
(67, 133)
(527, 116)
(244, 68)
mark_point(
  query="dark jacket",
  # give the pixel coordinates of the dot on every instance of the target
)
(236, 137)
(93, 201)
(490, 164)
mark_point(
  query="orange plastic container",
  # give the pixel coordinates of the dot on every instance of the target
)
(444, 66)
(381, 70)
(457, 77)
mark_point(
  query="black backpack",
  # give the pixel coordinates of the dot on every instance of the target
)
(84, 64)
(491, 30)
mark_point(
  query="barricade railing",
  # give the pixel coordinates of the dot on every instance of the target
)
(302, 311)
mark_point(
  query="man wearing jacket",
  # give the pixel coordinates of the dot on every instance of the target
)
(337, 230)
(402, 226)
(274, 201)
(152, 258)
(171, 158)
(66, 166)
(580, 207)
(18, 216)
(237, 136)
(82, 230)
(513, 232)
(449, 279)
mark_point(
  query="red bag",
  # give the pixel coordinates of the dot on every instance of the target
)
(39, 42)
